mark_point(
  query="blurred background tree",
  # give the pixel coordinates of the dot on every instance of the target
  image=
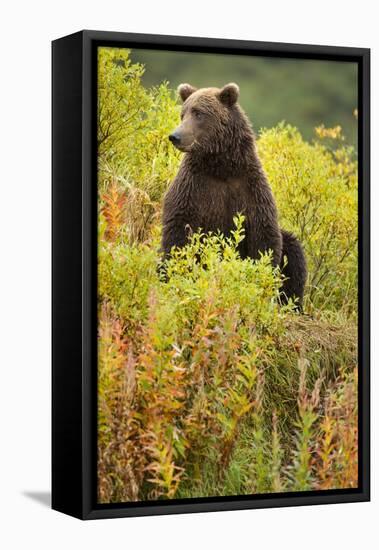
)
(303, 93)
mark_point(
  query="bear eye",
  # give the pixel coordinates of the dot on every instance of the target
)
(198, 114)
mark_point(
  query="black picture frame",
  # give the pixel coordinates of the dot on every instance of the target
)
(74, 272)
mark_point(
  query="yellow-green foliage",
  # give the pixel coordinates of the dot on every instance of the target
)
(206, 385)
(133, 125)
(316, 190)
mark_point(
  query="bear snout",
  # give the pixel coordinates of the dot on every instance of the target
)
(175, 138)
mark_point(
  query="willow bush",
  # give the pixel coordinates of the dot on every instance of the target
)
(135, 156)
(316, 189)
(206, 386)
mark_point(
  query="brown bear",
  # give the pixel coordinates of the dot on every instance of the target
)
(221, 175)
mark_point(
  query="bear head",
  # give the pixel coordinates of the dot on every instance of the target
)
(207, 116)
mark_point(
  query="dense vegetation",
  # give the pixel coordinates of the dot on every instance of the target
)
(206, 386)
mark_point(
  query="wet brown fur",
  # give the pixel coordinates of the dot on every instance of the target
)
(221, 175)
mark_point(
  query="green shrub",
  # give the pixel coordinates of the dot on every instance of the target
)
(135, 154)
(317, 194)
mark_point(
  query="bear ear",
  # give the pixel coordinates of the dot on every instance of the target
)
(185, 90)
(229, 94)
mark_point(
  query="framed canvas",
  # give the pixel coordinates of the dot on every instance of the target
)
(210, 274)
